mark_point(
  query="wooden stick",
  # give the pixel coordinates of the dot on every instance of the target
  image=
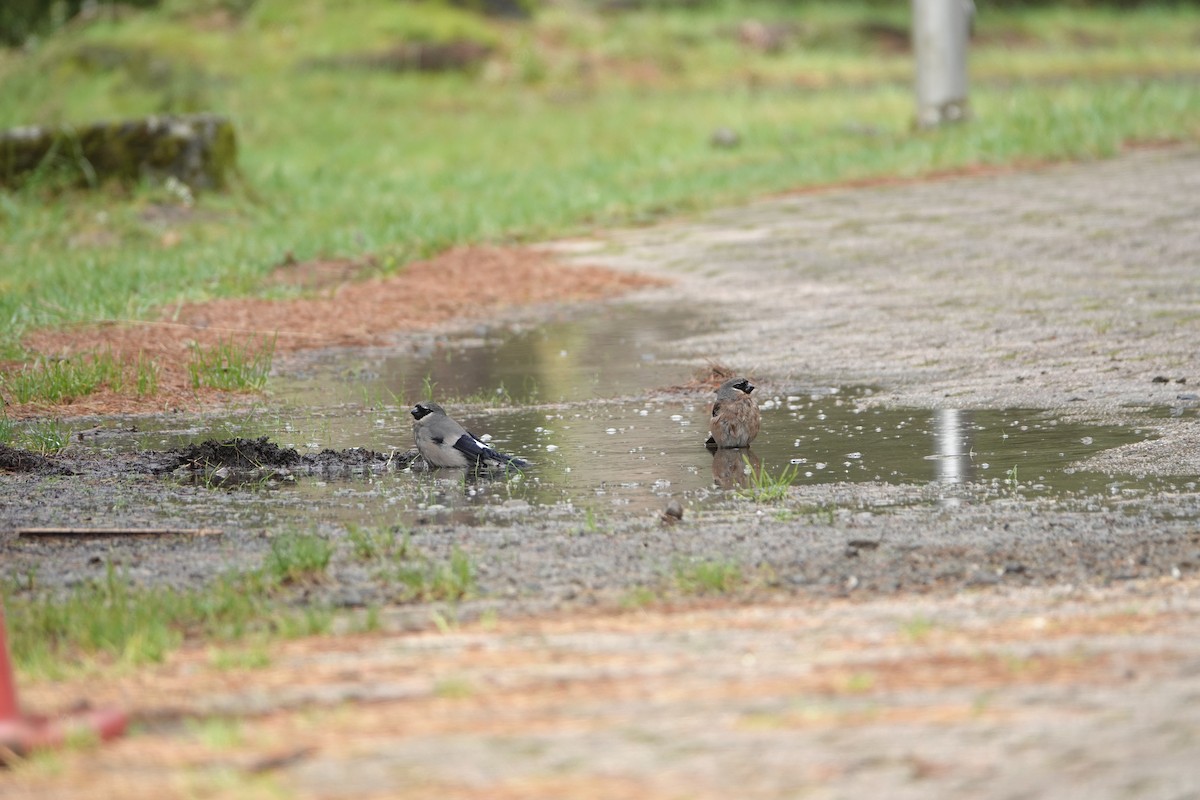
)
(119, 532)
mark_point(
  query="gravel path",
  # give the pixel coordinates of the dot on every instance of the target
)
(1067, 287)
(882, 643)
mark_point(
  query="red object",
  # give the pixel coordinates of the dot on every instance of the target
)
(21, 734)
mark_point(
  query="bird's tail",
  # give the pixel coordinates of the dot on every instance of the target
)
(494, 458)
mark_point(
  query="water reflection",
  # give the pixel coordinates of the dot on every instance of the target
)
(622, 352)
(953, 463)
(634, 455)
(552, 395)
(732, 468)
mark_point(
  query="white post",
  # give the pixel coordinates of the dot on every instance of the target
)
(939, 36)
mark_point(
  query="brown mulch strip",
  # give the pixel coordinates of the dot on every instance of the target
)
(343, 309)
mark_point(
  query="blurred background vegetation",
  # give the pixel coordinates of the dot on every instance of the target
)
(397, 128)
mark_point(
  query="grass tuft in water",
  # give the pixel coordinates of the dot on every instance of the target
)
(766, 488)
(44, 436)
(230, 366)
(428, 386)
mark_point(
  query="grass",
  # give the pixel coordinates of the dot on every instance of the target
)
(424, 579)
(43, 436)
(46, 436)
(298, 557)
(639, 597)
(58, 380)
(715, 576)
(372, 544)
(112, 621)
(417, 576)
(917, 629)
(62, 380)
(581, 119)
(231, 366)
(764, 487)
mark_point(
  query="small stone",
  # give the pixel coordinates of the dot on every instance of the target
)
(673, 512)
(725, 138)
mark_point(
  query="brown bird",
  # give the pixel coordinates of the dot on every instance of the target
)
(735, 419)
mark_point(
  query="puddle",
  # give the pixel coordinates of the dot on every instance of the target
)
(624, 352)
(547, 395)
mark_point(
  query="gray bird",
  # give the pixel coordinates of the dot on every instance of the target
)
(735, 418)
(445, 443)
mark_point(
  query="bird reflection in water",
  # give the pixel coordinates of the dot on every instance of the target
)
(732, 468)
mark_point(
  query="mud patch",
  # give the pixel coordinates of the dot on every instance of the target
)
(238, 454)
(16, 460)
(229, 459)
(255, 458)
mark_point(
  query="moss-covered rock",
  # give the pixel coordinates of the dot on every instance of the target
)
(199, 150)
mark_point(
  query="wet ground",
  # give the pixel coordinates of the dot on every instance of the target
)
(607, 456)
(983, 389)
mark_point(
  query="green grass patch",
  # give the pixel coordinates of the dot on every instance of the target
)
(57, 380)
(714, 576)
(763, 487)
(61, 380)
(375, 544)
(111, 621)
(46, 436)
(640, 597)
(421, 578)
(43, 436)
(453, 688)
(579, 119)
(298, 557)
(418, 576)
(917, 629)
(231, 366)
(255, 656)
(145, 376)
(217, 733)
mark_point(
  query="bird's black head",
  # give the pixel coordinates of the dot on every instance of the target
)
(421, 410)
(744, 386)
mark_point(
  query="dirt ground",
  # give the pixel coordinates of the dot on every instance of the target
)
(340, 303)
(902, 646)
